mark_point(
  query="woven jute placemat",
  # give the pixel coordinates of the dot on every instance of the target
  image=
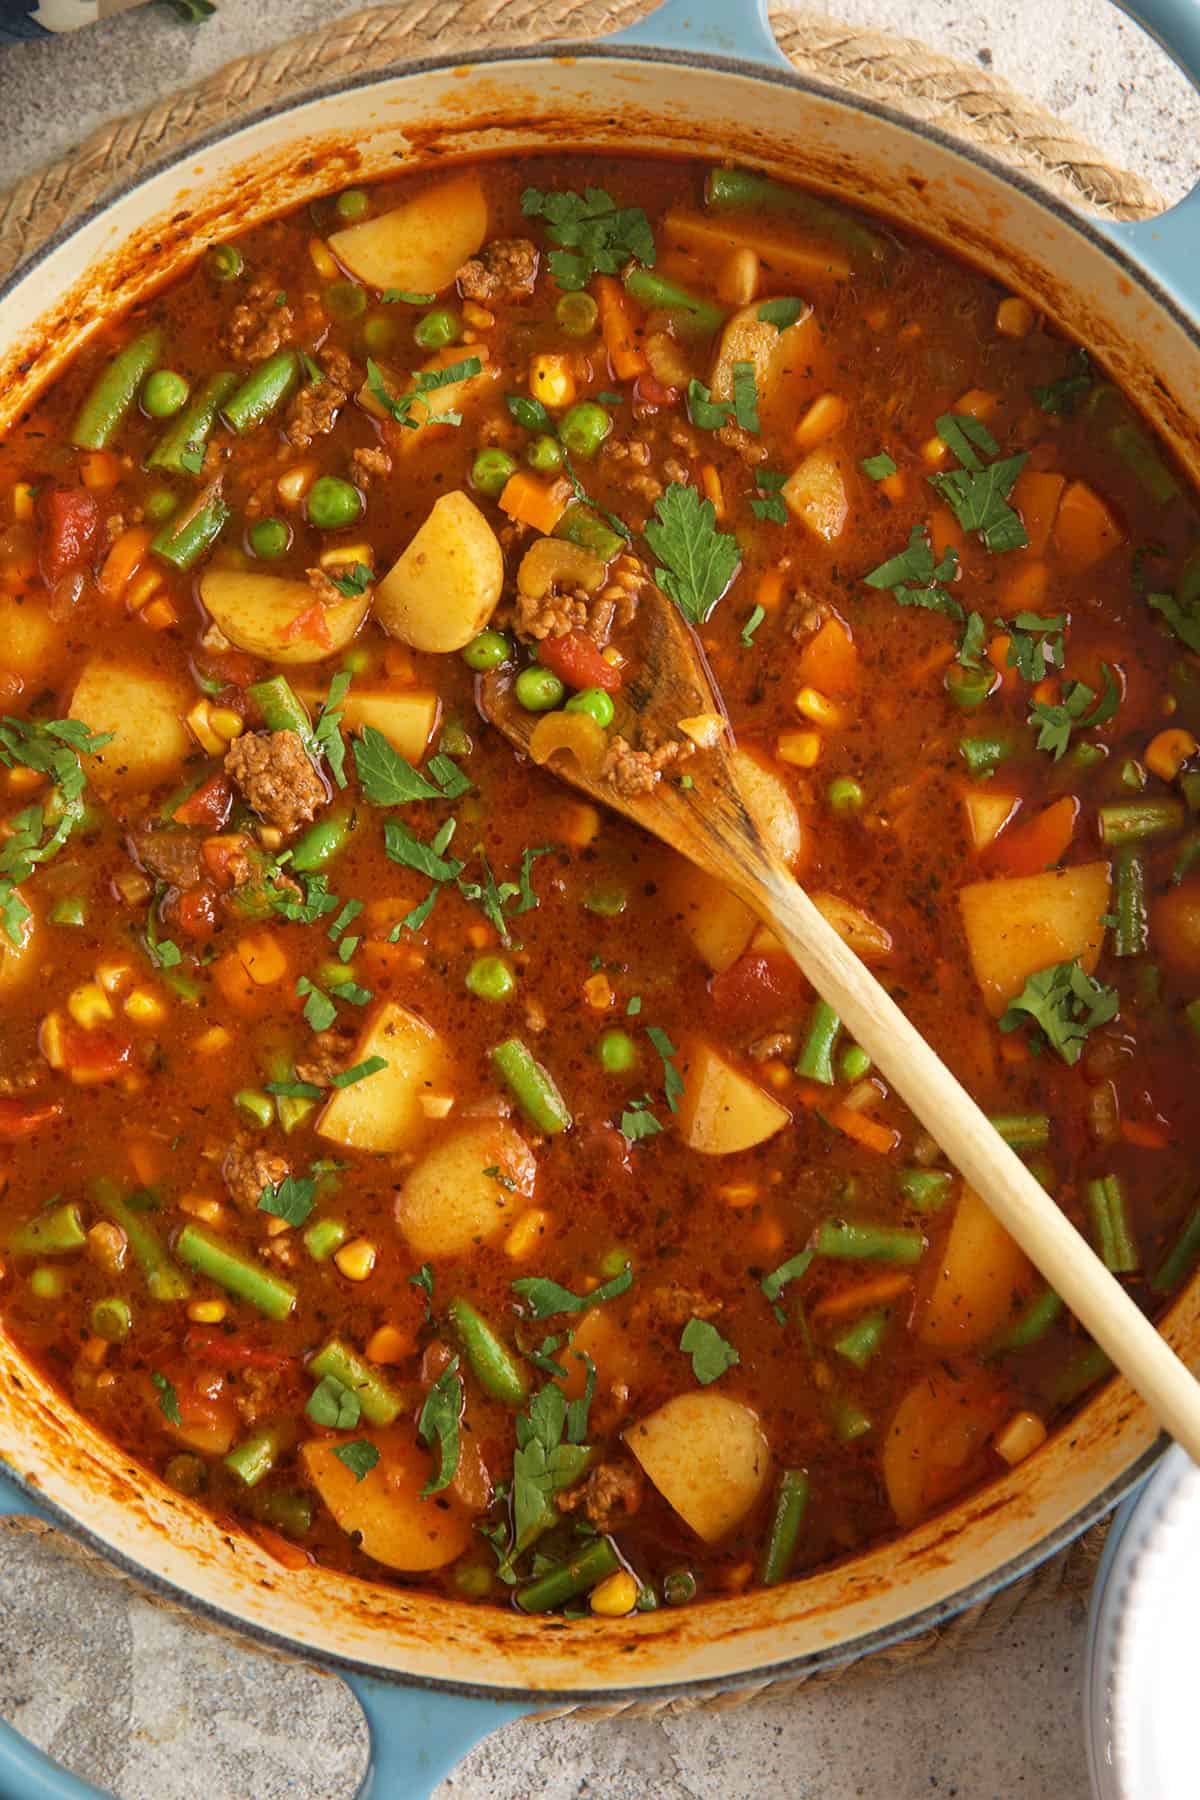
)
(969, 103)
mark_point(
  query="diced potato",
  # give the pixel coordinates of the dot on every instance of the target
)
(444, 588)
(937, 1442)
(144, 711)
(617, 1355)
(265, 615)
(28, 636)
(869, 940)
(770, 804)
(981, 1275)
(406, 719)
(383, 1111)
(829, 660)
(777, 250)
(426, 414)
(772, 353)
(19, 962)
(385, 1509)
(1029, 922)
(1085, 530)
(1175, 928)
(707, 1456)
(722, 1110)
(987, 814)
(449, 1203)
(816, 492)
(420, 245)
(719, 924)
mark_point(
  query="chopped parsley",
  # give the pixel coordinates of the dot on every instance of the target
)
(782, 313)
(386, 777)
(359, 1072)
(327, 733)
(438, 1426)
(424, 382)
(711, 1355)
(360, 1457)
(745, 397)
(1184, 619)
(753, 620)
(390, 296)
(773, 1284)
(293, 1199)
(1035, 643)
(638, 1120)
(879, 467)
(191, 458)
(544, 1298)
(696, 561)
(592, 234)
(1064, 395)
(768, 503)
(673, 1084)
(53, 747)
(319, 1009)
(705, 413)
(978, 495)
(423, 1279)
(404, 847)
(334, 1405)
(354, 582)
(1066, 1004)
(543, 1466)
(973, 641)
(916, 579)
(1056, 722)
(168, 1399)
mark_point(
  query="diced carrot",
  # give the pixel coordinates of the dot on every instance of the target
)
(924, 666)
(1047, 691)
(945, 533)
(894, 486)
(1025, 589)
(535, 503)
(146, 1160)
(977, 403)
(861, 1296)
(997, 655)
(1145, 1135)
(769, 591)
(867, 1132)
(1014, 1048)
(1027, 849)
(711, 481)
(1085, 529)
(1036, 496)
(829, 660)
(621, 333)
(123, 560)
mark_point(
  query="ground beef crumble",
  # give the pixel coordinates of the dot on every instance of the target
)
(315, 409)
(633, 772)
(277, 778)
(368, 462)
(323, 587)
(248, 1169)
(328, 1055)
(260, 324)
(611, 1494)
(505, 269)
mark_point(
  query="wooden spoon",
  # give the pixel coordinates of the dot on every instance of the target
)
(708, 823)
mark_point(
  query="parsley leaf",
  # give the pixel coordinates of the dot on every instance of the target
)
(773, 1284)
(349, 1077)
(754, 619)
(334, 1405)
(530, 413)
(319, 1009)
(769, 505)
(191, 458)
(327, 734)
(1184, 620)
(449, 777)
(424, 382)
(593, 235)
(359, 1457)
(390, 296)
(168, 1399)
(1056, 723)
(1035, 643)
(915, 578)
(638, 1120)
(745, 397)
(978, 498)
(387, 778)
(52, 747)
(782, 313)
(1063, 395)
(1066, 1004)
(711, 1355)
(542, 1467)
(973, 642)
(545, 1298)
(439, 1424)
(705, 413)
(696, 561)
(423, 1279)
(403, 847)
(354, 582)
(878, 467)
(291, 1201)
(316, 903)
(963, 435)
(673, 1084)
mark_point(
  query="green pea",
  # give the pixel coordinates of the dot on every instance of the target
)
(618, 1054)
(255, 1107)
(491, 470)
(351, 205)
(379, 334)
(969, 688)
(46, 1284)
(595, 703)
(112, 1320)
(487, 651)
(584, 428)
(344, 301)
(544, 454)
(679, 1587)
(333, 503)
(269, 539)
(854, 1063)
(160, 505)
(357, 660)
(490, 978)
(224, 262)
(845, 797)
(614, 1262)
(70, 911)
(538, 690)
(576, 315)
(164, 394)
(438, 328)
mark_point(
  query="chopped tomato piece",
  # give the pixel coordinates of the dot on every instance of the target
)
(209, 805)
(232, 667)
(226, 857)
(757, 990)
(234, 1353)
(196, 913)
(576, 659)
(651, 392)
(70, 518)
(311, 624)
(1028, 849)
(90, 1057)
(22, 1118)
(207, 1416)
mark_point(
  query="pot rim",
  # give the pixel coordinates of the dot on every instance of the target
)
(937, 1613)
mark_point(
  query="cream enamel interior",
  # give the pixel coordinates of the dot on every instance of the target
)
(793, 129)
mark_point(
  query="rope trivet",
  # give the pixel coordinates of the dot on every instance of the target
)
(965, 102)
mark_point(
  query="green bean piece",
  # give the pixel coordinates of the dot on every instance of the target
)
(1131, 935)
(816, 1058)
(380, 1405)
(281, 710)
(532, 1087)
(184, 542)
(163, 1279)
(862, 1241)
(264, 390)
(324, 1236)
(581, 524)
(1132, 821)
(688, 310)
(1024, 1131)
(968, 688)
(1138, 454)
(322, 842)
(859, 1344)
(1181, 1258)
(586, 1570)
(192, 429)
(736, 190)
(925, 1189)
(1084, 1370)
(493, 1365)
(244, 1279)
(52, 1233)
(224, 262)
(257, 1455)
(854, 1064)
(783, 1533)
(1031, 1323)
(72, 909)
(983, 755)
(113, 393)
(256, 1108)
(1105, 1202)
(286, 1509)
(848, 1419)
(112, 1320)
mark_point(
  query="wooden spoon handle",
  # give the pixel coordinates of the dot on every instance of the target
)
(993, 1169)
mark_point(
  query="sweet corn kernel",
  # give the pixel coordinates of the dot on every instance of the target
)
(826, 415)
(99, 469)
(388, 1345)
(140, 588)
(270, 837)
(226, 723)
(212, 1041)
(580, 826)
(1023, 1434)
(1014, 317)
(345, 556)
(615, 1596)
(933, 452)
(356, 1259)
(822, 711)
(294, 483)
(800, 748)
(525, 1236)
(1167, 753)
(737, 277)
(777, 1073)
(739, 1193)
(113, 976)
(612, 656)
(436, 1106)
(597, 991)
(262, 959)
(322, 259)
(478, 936)
(159, 615)
(145, 1007)
(202, 1206)
(199, 723)
(476, 315)
(88, 1005)
(50, 1040)
(704, 729)
(22, 501)
(551, 380)
(24, 781)
(207, 1312)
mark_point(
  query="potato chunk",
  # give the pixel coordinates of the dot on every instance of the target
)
(144, 712)
(385, 1508)
(1029, 922)
(982, 1274)
(816, 492)
(29, 636)
(770, 804)
(722, 1110)
(19, 961)
(449, 1201)
(383, 1111)
(937, 1442)
(266, 615)
(444, 588)
(707, 1456)
(420, 245)
(773, 354)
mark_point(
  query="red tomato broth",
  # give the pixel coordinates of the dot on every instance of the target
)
(700, 1232)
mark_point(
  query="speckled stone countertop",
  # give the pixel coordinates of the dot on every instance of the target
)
(137, 1701)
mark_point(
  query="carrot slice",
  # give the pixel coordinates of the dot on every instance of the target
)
(533, 502)
(1085, 529)
(877, 1290)
(620, 332)
(1036, 497)
(829, 660)
(1027, 849)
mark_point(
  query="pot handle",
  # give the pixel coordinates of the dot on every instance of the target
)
(735, 28)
